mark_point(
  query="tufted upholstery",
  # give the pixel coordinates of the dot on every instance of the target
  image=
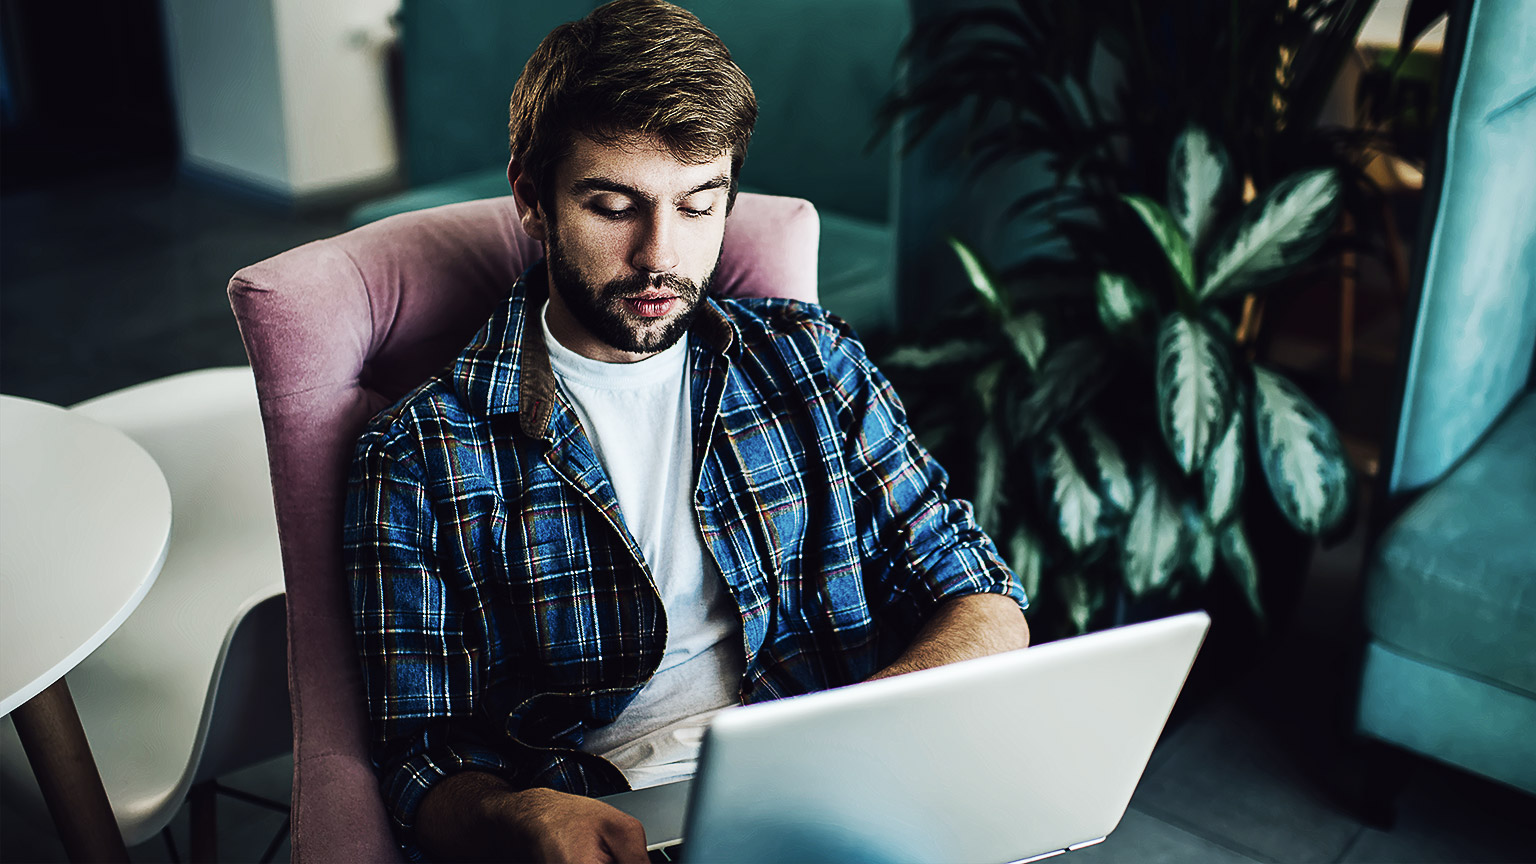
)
(337, 330)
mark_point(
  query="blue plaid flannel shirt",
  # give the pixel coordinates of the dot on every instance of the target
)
(502, 609)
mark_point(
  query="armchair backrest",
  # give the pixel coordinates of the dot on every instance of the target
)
(338, 329)
(1473, 334)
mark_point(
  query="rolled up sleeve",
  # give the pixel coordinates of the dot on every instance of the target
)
(922, 546)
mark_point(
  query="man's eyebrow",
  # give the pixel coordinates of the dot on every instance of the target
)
(606, 184)
(721, 182)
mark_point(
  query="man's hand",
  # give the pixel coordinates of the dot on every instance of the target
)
(477, 817)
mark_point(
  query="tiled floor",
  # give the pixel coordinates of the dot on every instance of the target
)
(1263, 769)
(109, 281)
(112, 281)
(246, 831)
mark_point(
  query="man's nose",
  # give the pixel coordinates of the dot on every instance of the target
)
(656, 248)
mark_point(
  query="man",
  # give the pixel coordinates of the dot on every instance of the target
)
(628, 505)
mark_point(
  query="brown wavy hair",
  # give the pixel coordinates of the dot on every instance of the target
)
(631, 67)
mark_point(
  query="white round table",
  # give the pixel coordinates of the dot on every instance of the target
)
(85, 517)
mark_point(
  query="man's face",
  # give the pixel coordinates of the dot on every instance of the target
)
(633, 238)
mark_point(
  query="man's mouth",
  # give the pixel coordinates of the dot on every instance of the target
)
(653, 303)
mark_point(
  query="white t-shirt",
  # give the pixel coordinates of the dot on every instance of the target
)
(638, 419)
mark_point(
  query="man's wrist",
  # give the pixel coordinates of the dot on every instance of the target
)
(474, 816)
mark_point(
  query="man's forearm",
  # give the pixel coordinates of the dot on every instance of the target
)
(974, 625)
(458, 820)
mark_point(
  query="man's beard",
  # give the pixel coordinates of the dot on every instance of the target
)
(601, 310)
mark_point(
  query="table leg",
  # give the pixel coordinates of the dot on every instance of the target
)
(51, 734)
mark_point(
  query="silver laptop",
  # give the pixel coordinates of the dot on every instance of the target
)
(1008, 758)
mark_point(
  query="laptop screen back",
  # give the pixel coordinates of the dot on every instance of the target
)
(997, 759)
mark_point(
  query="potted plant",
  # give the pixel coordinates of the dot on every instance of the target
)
(1121, 428)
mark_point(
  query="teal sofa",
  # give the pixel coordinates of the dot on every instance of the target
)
(820, 70)
(1450, 588)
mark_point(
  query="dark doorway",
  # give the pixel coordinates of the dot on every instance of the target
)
(83, 88)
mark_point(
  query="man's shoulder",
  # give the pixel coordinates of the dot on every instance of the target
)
(766, 319)
(791, 345)
(425, 410)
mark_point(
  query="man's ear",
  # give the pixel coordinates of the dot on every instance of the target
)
(529, 211)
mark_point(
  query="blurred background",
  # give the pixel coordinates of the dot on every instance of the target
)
(152, 147)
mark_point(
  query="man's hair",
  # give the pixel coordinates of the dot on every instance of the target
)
(631, 67)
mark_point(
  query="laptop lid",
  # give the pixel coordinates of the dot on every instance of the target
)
(999, 759)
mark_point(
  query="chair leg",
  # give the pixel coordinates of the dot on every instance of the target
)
(170, 844)
(1384, 773)
(205, 823)
(277, 841)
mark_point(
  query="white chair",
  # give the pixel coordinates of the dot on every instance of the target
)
(194, 684)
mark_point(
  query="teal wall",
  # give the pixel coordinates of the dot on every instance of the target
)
(461, 60)
(820, 70)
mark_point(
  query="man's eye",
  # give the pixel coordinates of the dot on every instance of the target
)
(607, 213)
(698, 214)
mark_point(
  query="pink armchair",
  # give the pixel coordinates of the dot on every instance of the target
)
(337, 330)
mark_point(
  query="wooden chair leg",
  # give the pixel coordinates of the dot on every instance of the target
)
(205, 823)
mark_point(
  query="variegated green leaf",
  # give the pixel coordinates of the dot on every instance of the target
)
(1027, 333)
(1027, 560)
(1301, 455)
(1081, 600)
(1220, 321)
(981, 280)
(1198, 173)
(1224, 472)
(1073, 501)
(1114, 480)
(1239, 559)
(1202, 549)
(950, 353)
(1194, 389)
(1120, 302)
(1275, 233)
(991, 466)
(1169, 236)
(987, 381)
(1081, 100)
(1154, 538)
